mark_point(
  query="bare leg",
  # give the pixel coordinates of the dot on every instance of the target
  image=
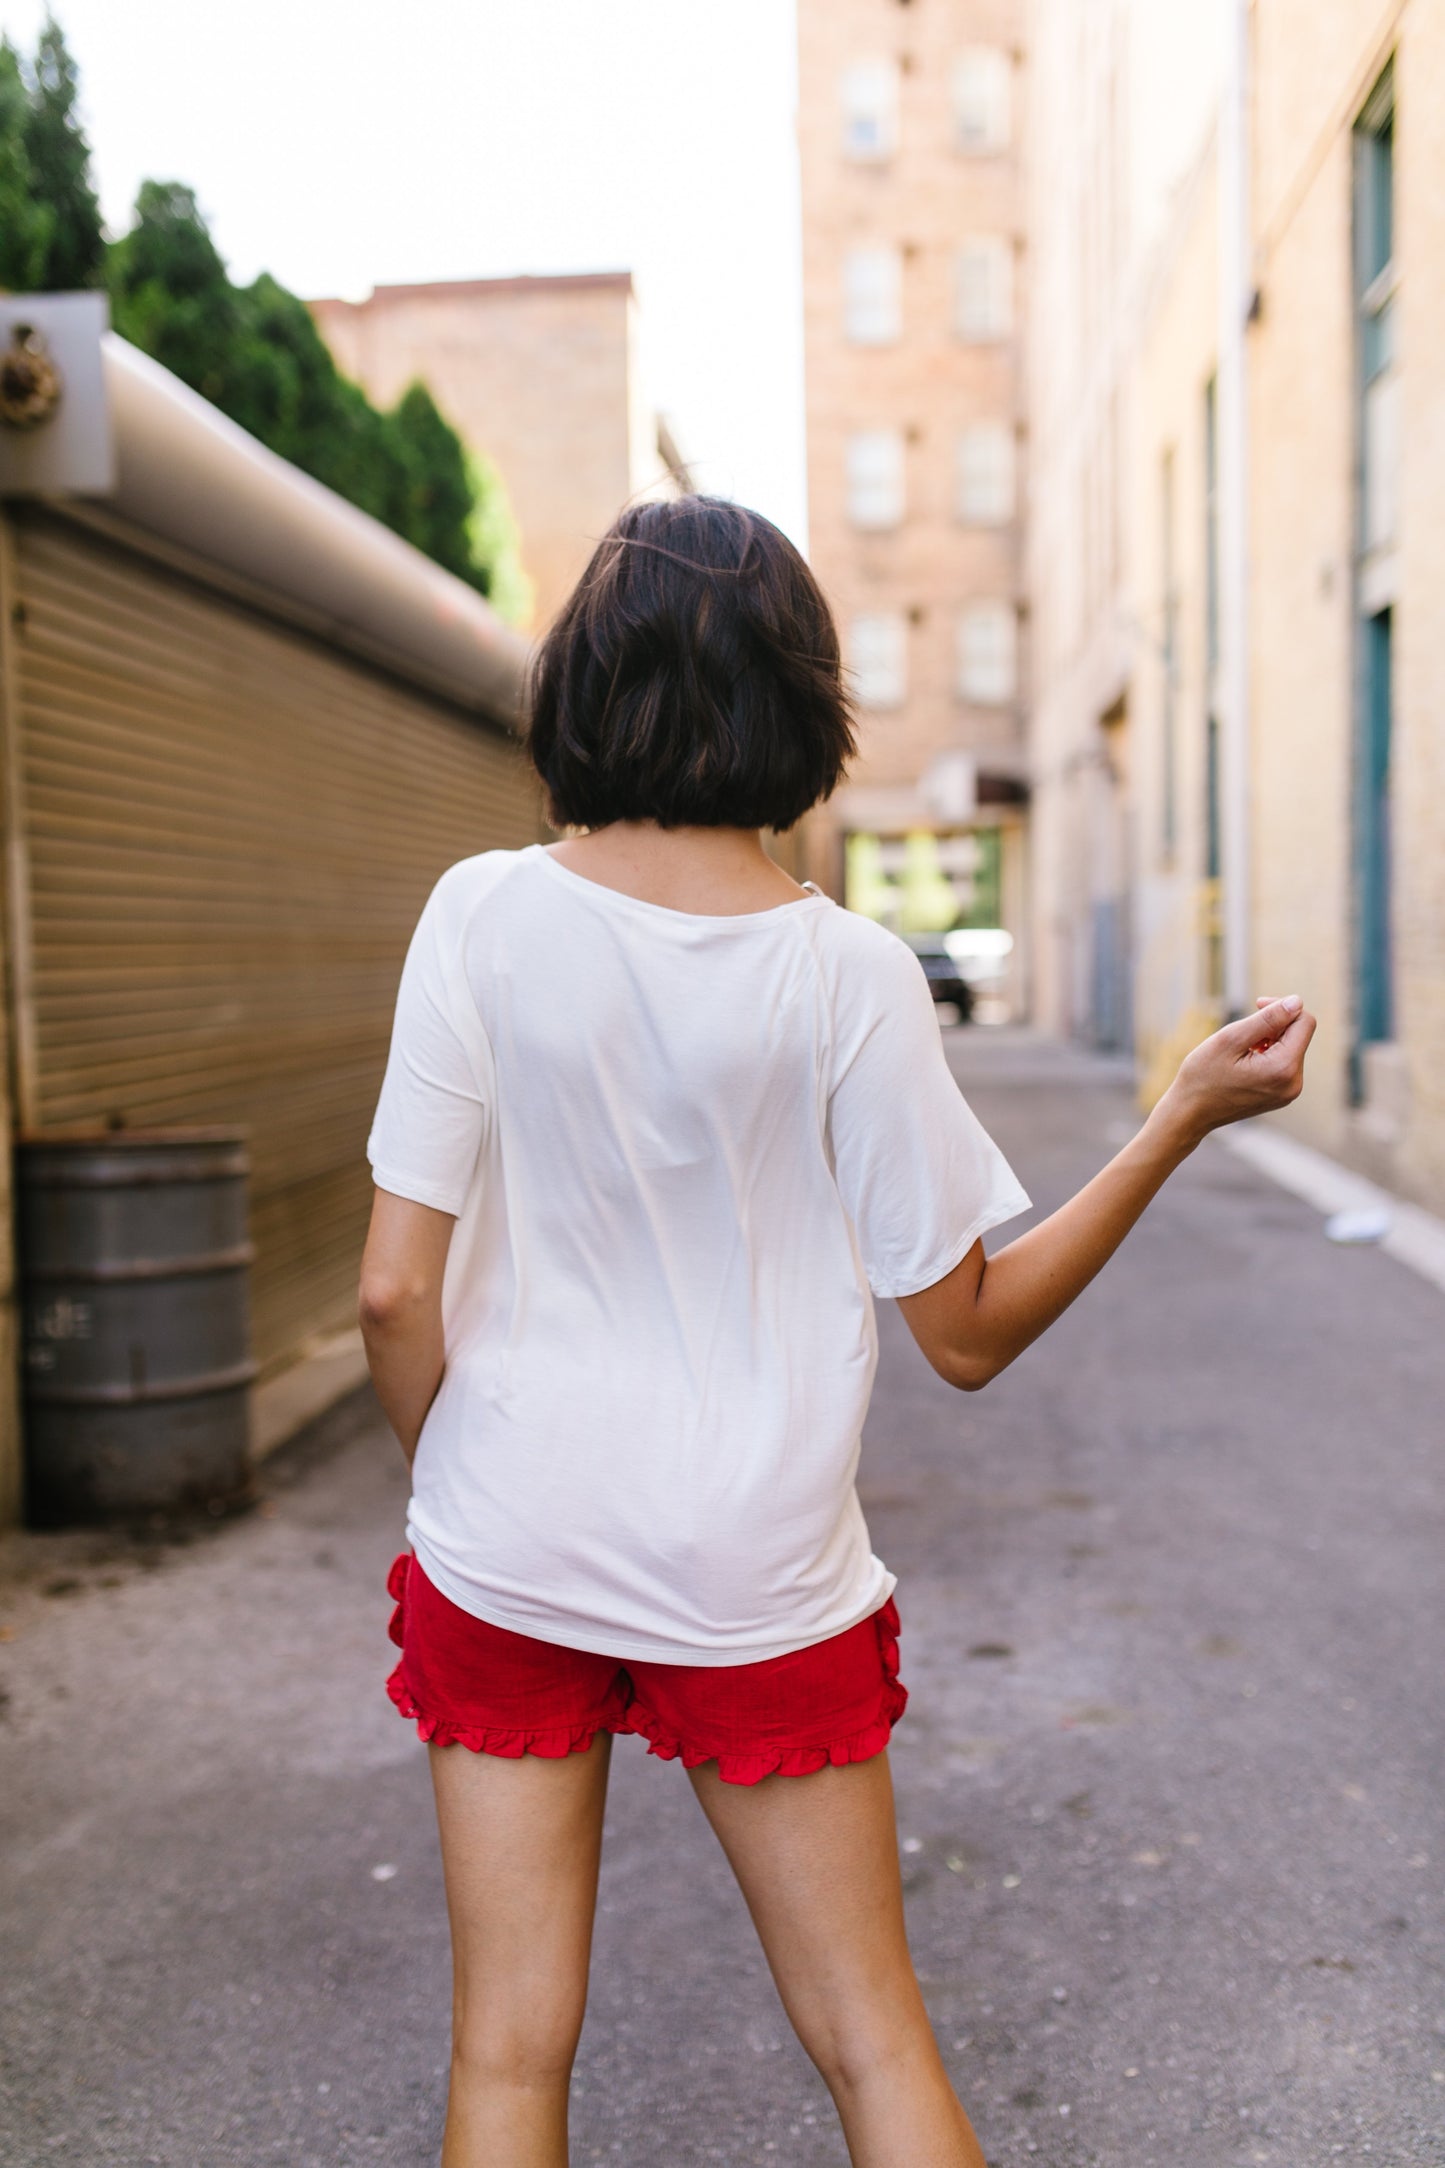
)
(817, 1860)
(521, 1841)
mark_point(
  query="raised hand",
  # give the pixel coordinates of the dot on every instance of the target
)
(1249, 1067)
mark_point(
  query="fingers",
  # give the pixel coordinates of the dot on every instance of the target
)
(1279, 1062)
(1270, 1021)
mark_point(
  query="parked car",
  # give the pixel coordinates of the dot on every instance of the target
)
(945, 982)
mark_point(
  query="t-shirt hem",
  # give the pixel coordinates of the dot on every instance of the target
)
(994, 1215)
(596, 1641)
(416, 1190)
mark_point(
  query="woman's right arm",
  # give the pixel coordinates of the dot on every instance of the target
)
(974, 1322)
(401, 1309)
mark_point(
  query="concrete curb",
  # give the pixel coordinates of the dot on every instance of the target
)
(328, 1369)
(1415, 1237)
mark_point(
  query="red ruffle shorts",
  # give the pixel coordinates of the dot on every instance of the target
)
(468, 1683)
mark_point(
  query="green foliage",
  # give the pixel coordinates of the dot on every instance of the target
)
(436, 500)
(253, 351)
(60, 170)
(169, 294)
(496, 541)
(25, 221)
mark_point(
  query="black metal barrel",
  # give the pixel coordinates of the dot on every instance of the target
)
(134, 1273)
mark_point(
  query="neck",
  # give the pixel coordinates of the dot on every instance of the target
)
(713, 871)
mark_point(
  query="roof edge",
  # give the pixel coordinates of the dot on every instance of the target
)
(530, 282)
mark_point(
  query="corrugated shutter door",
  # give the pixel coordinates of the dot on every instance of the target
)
(231, 832)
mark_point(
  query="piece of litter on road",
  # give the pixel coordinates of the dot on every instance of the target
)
(913, 1844)
(1061, 1994)
(383, 1874)
(1369, 1223)
(1012, 1881)
(1131, 2073)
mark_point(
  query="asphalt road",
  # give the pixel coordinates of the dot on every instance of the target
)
(1170, 1785)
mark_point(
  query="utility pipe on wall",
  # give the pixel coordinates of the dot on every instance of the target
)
(1235, 307)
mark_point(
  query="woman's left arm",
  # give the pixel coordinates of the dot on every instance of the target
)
(401, 1309)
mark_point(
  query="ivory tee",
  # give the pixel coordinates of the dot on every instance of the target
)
(683, 1154)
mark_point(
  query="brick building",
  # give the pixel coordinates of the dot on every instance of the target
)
(540, 373)
(911, 189)
(1239, 759)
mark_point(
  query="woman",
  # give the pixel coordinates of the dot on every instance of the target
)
(657, 1126)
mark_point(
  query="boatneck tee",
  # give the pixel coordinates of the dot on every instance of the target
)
(684, 1153)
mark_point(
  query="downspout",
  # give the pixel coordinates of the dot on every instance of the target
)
(1235, 308)
(17, 1058)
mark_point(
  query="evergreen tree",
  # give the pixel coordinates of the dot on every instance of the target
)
(496, 541)
(304, 408)
(60, 170)
(436, 499)
(170, 295)
(25, 220)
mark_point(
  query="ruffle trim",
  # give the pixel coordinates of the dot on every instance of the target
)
(791, 1761)
(490, 1739)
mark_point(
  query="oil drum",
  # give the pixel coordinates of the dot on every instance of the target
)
(134, 1269)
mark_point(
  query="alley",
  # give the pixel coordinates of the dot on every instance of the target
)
(1172, 1602)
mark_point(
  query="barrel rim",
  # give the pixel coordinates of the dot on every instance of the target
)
(129, 1159)
(182, 1265)
(43, 1392)
(87, 1136)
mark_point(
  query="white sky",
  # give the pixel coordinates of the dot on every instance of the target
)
(346, 143)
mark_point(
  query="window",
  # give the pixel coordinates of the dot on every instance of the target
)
(1169, 662)
(878, 659)
(875, 477)
(869, 99)
(1373, 807)
(1213, 859)
(873, 295)
(988, 653)
(984, 482)
(983, 297)
(1211, 527)
(1377, 285)
(982, 100)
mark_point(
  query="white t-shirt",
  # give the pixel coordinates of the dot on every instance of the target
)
(680, 1150)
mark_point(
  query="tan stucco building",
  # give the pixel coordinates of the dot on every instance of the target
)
(543, 375)
(908, 125)
(1238, 746)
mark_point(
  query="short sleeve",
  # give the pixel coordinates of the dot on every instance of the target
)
(432, 1114)
(919, 1176)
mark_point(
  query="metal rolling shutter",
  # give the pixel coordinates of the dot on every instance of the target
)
(231, 831)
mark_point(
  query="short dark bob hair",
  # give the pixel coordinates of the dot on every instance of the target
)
(692, 678)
